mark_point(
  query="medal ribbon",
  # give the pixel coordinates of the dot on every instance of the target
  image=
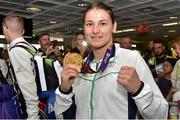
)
(110, 52)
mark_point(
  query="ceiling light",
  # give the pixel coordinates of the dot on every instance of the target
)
(82, 4)
(52, 22)
(57, 38)
(33, 9)
(2, 36)
(119, 31)
(133, 45)
(171, 31)
(80, 28)
(170, 24)
(165, 36)
(125, 30)
(129, 30)
(173, 17)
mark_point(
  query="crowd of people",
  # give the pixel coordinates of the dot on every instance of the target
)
(123, 84)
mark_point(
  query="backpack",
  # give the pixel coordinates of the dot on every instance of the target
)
(9, 105)
(47, 74)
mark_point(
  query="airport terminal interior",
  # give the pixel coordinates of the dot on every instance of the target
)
(146, 76)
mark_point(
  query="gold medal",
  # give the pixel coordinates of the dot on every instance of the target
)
(74, 58)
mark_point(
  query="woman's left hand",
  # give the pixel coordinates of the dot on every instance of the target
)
(129, 78)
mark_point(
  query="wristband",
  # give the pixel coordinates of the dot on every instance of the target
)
(65, 92)
(139, 90)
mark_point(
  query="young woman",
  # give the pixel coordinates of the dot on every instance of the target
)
(121, 83)
(164, 82)
(79, 45)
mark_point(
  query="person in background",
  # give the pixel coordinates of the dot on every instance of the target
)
(45, 43)
(149, 52)
(174, 112)
(164, 82)
(67, 49)
(80, 45)
(3, 68)
(175, 76)
(125, 42)
(1, 52)
(7, 75)
(156, 61)
(119, 83)
(174, 54)
(22, 67)
(5, 56)
(47, 48)
(3, 65)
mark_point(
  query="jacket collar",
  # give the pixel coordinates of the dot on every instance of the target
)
(19, 39)
(90, 56)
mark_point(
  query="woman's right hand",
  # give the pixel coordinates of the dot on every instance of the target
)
(69, 72)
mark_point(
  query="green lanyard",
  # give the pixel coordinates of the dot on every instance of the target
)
(92, 95)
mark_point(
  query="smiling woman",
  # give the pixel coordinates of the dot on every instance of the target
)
(120, 84)
(99, 31)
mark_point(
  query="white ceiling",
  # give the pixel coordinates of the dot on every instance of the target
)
(68, 15)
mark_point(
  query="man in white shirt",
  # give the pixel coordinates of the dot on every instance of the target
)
(13, 29)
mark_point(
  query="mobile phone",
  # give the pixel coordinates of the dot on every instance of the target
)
(159, 68)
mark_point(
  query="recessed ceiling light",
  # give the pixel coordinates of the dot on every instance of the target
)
(59, 39)
(128, 30)
(173, 17)
(172, 31)
(33, 9)
(125, 30)
(133, 45)
(165, 36)
(80, 28)
(82, 4)
(52, 22)
(170, 24)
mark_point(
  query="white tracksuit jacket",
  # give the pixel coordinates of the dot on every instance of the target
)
(99, 96)
(24, 71)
